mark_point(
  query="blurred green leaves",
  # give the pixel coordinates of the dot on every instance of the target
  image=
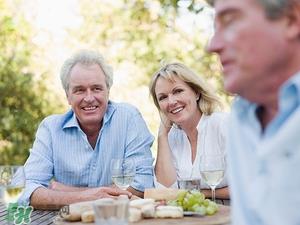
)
(23, 96)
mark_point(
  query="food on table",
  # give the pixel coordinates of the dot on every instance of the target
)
(158, 203)
(148, 211)
(194, 201)
(139, 203)
(161, 193)
(134, 215)
(169, 212)
(88, 216)
(73, 212)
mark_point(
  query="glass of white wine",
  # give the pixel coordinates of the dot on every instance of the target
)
(122, 172)
(212, 169)
(12, 183)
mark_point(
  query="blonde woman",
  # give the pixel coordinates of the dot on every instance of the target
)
(190, 126)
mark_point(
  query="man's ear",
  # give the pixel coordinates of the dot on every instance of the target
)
(293, 24)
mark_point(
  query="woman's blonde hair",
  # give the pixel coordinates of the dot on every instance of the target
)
(208, 101)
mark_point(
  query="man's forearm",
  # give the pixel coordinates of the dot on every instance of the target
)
(43, 198)
(57, 186)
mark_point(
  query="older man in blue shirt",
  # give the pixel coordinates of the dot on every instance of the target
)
(258, 42)
(75, 149)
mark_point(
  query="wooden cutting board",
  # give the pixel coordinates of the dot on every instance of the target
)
(222, 217)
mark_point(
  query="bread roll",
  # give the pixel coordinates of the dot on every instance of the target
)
(134, 215)
(169, 212)
(148, 211)
(139, 203)
(88, 216)
(161, 193)
(73, 211)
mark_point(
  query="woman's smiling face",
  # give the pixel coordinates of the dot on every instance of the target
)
(177, 100)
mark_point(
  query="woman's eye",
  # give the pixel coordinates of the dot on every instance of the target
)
(161, 98)
(177, 91)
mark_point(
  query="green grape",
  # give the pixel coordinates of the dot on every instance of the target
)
(181, 195)
(213, 204)
(194, 201)
(199, 209)
(200, 196)
(206, 202)
(172, 202)
(210, 210)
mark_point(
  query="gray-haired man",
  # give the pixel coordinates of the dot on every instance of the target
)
(258, 42)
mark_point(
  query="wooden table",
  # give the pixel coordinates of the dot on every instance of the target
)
(38, 217)
(42, 217)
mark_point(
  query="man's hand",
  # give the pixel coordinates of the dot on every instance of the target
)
(104, 192)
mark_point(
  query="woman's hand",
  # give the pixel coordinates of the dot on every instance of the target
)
(165, 125)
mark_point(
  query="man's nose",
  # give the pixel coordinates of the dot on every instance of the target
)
(215, 44)
(89, 96)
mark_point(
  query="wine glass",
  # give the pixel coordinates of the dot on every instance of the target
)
(122, 172)
(212, 169)
(12, 183)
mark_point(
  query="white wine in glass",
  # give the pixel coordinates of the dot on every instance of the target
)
(12, 183)
(122, 172)
(212, 169)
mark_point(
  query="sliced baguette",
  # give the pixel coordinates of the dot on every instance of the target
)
(161, 193)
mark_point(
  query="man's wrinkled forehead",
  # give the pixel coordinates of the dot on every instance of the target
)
(222, 7)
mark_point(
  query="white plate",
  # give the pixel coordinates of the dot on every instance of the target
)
(190, 213)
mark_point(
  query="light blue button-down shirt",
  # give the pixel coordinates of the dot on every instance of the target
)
(61, 150)
(264, 166)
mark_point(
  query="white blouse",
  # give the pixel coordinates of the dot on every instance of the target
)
(211, 137)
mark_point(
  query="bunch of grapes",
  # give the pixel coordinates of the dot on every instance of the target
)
(194, 201)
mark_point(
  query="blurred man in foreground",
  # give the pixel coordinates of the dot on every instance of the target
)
(75, 149)
(258, 42)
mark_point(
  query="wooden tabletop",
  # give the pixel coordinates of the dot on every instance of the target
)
(42, 217)
(222, 217)
(38, 217)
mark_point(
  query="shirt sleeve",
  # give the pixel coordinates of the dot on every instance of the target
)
(138, 147)
(39, 165)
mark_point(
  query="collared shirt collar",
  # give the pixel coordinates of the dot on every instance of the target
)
(289, 99)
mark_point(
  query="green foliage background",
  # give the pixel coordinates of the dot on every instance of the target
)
(24, 98)
(141, 33)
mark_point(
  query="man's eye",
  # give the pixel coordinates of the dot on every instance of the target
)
(228, 18)
(77, 91)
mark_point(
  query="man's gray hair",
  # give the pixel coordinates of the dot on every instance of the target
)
(274, 8)
(85, 57)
